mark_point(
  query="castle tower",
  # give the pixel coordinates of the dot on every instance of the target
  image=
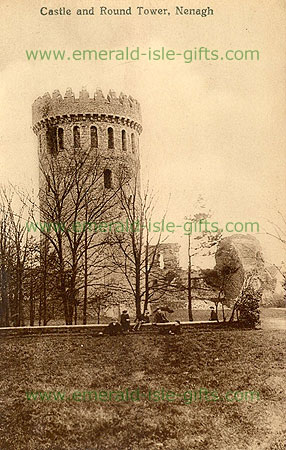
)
(109, 126)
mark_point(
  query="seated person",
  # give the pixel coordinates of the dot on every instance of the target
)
(145, 318)
(114, 328)
(160, 317)
(125, 320)
(213, 314)
(175, 328)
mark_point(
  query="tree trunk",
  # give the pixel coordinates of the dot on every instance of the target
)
(32, 302)
(5, 299)
(223, 312)
(21, 311)
(64, 299)
(138, 292)
(40, 309)
(44, 303)
(216, 311)
(146, 278)
(43, 297)
(232, 314)
(32, 308)
(63, 292)
(190, 306)
(75, 313)
(72, 295)
(84, 312)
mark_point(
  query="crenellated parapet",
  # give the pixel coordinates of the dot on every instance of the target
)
(111, 108)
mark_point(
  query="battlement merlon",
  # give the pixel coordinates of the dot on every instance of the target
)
(122, 107)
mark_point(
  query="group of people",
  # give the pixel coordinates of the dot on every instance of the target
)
(159, 317)
(124, 326)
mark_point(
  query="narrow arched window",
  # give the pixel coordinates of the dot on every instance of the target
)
(60, 138)
(93, 137)
(51, 140)
(110, 137)
(76, 137)
(133, 143)
(124, 140)
(107, 178)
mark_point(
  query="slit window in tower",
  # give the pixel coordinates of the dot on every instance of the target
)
(60, 138)
(107, 178)
(133, 144)
(93, 137)
(51, 139)
(110, 137)
(76, 137)
(124, 140)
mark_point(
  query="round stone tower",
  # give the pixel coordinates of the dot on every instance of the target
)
(107, 130)
(109, 126)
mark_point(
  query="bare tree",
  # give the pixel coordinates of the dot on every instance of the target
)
(15, 246)
(201, 241)
(130, 247)
(72, 200)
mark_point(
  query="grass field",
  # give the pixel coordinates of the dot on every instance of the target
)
(220, 361)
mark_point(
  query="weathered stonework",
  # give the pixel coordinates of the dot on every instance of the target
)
(167, 256)
(112, 109)
(52, 114)
(55, 119)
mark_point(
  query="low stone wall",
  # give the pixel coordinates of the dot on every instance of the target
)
(95, 329)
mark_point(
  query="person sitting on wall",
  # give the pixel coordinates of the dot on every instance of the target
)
(125, 320)
(145, 318)
(175, 328)
(114, 328)
(213, 314)
(160, 317)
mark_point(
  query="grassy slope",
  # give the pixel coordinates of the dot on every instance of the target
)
(221, 361)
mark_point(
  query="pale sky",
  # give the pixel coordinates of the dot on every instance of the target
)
(215, 128)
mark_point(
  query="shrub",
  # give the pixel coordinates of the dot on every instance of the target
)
(249, 307)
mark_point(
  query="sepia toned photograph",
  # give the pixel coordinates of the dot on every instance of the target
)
(143, 225)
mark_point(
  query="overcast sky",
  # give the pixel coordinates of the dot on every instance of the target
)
(215, 128)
